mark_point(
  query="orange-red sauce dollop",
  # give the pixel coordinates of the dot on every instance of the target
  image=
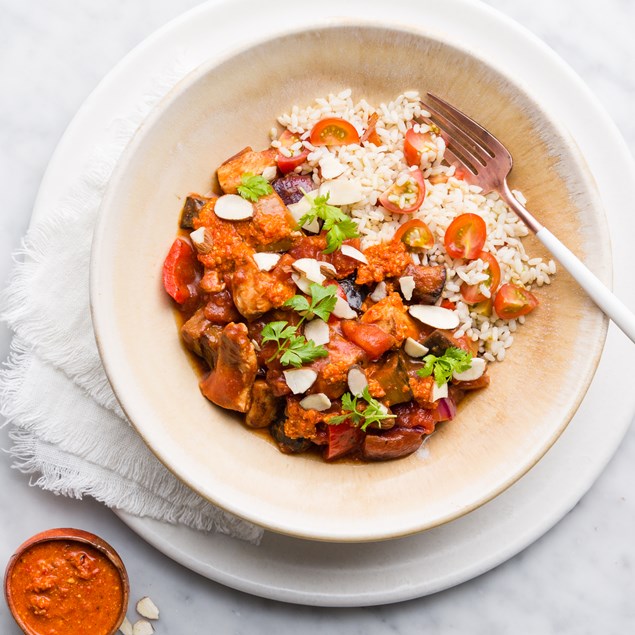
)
(63, 587)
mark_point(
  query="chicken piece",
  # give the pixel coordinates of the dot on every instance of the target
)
(191, 208)
(225, 249)
(272, 228)
(220, 308)
(429, 282)
(230, 173)
(391, 315)
(255, 292)
(230, 383)
(193, 329)
(301, 423)
(265, 406)
(386, 260)
(333, 370)
(393, 444)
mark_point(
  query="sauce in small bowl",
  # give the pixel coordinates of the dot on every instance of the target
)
(66, 581)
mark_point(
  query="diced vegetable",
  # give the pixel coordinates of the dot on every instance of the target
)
(180, 271)
(342, 440)
(369, 337)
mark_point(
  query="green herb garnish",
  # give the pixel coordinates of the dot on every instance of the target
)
(372, 412)
(454, 360)
(253, 186)
(295, 348)
(322, 303)
(337, 224)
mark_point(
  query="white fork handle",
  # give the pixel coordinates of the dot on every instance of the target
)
(609, 303)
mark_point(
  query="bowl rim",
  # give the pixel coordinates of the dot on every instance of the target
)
(70, 535)
(173, 94)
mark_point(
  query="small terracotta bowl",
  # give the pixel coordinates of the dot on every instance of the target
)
(68, 535)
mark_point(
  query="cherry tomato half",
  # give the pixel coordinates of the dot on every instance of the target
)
(288, 164)
(414, 188)
(465, 236)
(415, 234)
(512, 301)
(472, 292)
(180, 272)
(370, 134)
(414, 145)
(333, 131)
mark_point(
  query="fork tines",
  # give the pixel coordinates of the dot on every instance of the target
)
(467, 142)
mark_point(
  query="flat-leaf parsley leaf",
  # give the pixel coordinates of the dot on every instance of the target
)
(322, 302)
(454, 360)
(372, 411)
(337, 225)
(295, 348)
(253, 186)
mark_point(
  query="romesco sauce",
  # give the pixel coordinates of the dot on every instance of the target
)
(65, 587)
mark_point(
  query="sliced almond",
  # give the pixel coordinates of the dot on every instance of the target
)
(330, 167)
(299, 209)
(319, 401)
(233, 207)
(310, 268)
(407, 284)
(439, 392)
(476, 370)
(342, 191)
(300, 379)
(126, 627)
(343, 310)
(414, 348)
(270, 172)
(142, 627)
(437, 316)
(357, 381)
(379, 293)
(147, 608)
(351, 252)
(302, 283)
(265, 260)
(318, 331)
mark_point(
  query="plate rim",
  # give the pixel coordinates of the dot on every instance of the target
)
(501, 552)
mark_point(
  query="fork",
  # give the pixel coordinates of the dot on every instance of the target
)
(488, 164)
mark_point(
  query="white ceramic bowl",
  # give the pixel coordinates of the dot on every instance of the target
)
(498, 435)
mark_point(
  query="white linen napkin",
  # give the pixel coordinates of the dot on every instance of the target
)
(66, 425)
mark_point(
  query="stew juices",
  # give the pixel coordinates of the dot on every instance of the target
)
(66, 582)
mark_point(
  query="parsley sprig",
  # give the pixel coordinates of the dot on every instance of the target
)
(372, 411)
(454, 360)
(322, 302)
(337, 224)
(294, 349)
(253, 186)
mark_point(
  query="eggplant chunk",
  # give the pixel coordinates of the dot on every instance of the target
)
(191, 208)
(286, 444)
(393, 444)
(388, 381)
(209, 343)
(265, 406)
(355, 294)
(230, 173)
(439, 341)
(429, 282)
(290, 186)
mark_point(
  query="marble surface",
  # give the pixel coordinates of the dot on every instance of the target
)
(577, 579)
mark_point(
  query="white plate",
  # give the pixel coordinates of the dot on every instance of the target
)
(342, 575)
